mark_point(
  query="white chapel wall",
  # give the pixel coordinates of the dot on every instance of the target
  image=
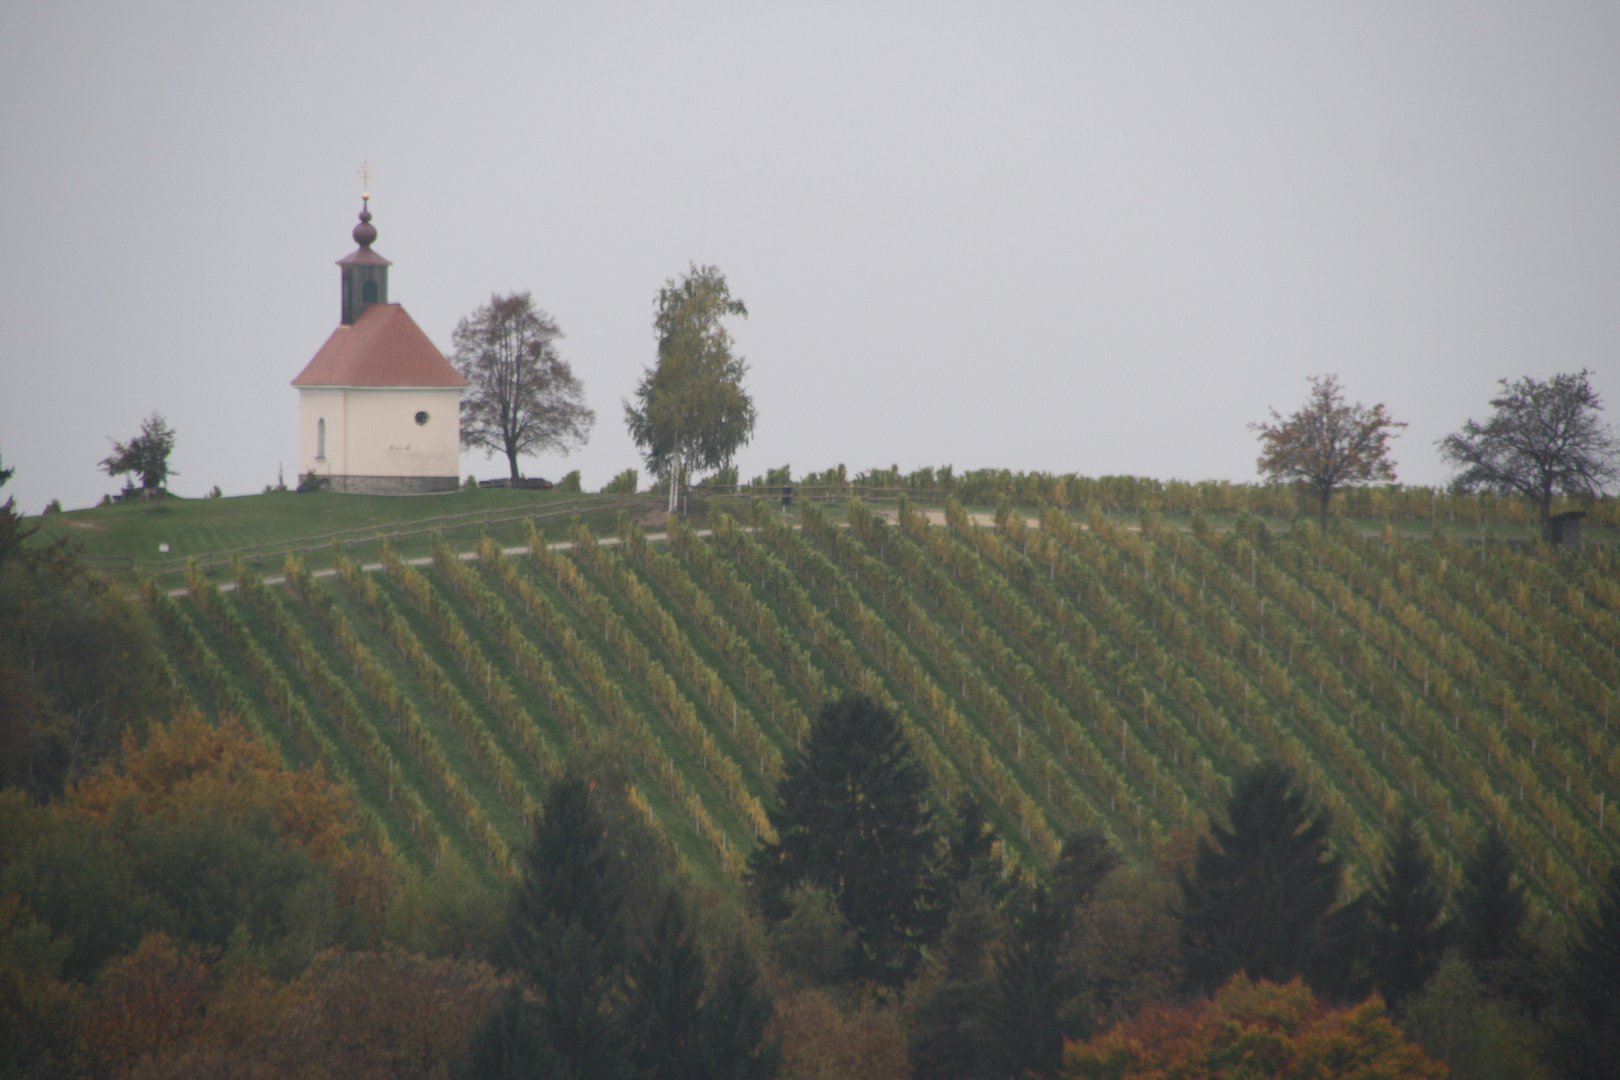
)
(373, 431)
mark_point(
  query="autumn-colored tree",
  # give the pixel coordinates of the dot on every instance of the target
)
(1122, 950)
(142, 1003)
(386, 1015)
(38, 1011)
(1328, 444)
(825, 1040)
(193, 771)
(204, 834)
(1260, 1031)
(376, 1015)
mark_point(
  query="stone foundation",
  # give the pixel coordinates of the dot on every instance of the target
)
(393, 485)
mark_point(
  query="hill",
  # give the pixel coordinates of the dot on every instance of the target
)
(160, 538)
(1070, 672)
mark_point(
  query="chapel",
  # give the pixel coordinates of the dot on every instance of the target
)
(379, 407)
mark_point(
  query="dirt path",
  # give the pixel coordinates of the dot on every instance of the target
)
(424, 560)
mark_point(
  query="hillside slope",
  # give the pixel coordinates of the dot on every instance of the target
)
(1072, 674)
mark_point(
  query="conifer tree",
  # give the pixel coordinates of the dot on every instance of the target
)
(1084, 863)
(734, 1040)
(565, 941)
(1261, 885)
(853, 819)
(1587, 1038)
(666, 992)
(1028, 1034)
(973, 843)
(1491, 909)
(952, 1036)
(1406, 917)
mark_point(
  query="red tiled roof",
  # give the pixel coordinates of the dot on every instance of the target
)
(384, 347)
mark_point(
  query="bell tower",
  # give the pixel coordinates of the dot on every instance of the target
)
(365, 273)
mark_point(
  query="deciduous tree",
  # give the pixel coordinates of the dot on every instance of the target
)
(1544, 439)
(1477, 1035)
(1122, 950)
(146, 455)
(1328, 444)
(691, 411)
(523, 398)
(1254, 1030)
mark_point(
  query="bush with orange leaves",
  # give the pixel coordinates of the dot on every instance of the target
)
(193, 769)
(1258, 1030)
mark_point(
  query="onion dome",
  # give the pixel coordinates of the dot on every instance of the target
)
(365, 233)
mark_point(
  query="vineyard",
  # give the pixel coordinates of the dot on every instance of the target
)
(1070, 671)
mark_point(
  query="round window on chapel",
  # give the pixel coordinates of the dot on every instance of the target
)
(422, 418)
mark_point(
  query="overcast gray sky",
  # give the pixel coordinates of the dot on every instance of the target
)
(1082, 237)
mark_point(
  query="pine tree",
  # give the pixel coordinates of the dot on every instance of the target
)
(1028, 1034)
(1084, 863)
(667, 977)
(1407, 930)
(1587, 1038)
(952, 1037)
(565, 941)
(1491, 910)
(734, 1038)
(512, 1044)
(1260, 886)
(853, 819)
(972, 845)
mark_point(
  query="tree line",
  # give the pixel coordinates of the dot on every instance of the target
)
(195, 907)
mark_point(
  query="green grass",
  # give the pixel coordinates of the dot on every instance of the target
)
(126, 537)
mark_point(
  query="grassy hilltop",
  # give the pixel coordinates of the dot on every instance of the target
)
(261, 529)
(1070, 669)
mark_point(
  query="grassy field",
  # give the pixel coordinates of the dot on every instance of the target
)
(126, 538)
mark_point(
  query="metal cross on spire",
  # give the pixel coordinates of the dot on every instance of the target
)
(365, 172)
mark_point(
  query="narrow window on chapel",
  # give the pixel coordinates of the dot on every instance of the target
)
(320, 439)
(368, 293)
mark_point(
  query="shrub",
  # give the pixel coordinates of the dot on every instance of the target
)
(623, 484)
(1253, 1029)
